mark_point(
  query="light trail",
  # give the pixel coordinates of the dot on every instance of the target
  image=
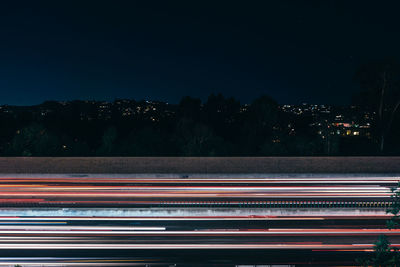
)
(225, 232)
(301, 219)
(184, 218)
(114, 180)
(337, 247)
(75, 228)
(153, 191)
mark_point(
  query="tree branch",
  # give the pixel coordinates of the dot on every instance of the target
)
(392, 116)
(380, 111)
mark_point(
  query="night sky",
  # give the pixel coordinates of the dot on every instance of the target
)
(295, 51)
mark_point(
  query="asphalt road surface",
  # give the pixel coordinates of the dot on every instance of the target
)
(189, 239)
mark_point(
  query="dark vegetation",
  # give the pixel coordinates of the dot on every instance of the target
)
(218, 127)
(384, 254)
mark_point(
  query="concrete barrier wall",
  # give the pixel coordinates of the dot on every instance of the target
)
(204, 165)
(183, 212)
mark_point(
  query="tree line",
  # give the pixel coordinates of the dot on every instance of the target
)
(220, 126)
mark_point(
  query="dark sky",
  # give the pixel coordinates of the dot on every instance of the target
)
(295, 51)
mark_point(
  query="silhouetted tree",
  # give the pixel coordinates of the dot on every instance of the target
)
(221, 115)
(258, 124)
(189, 108)
(196, 139)
(108, 144)
(380, 85)
(384, 255)
(145, 141)
(274, 147)
(34, 140)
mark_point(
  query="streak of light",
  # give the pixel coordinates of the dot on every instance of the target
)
(190, 246)
(227, 232)
(75, 228)
(195, 218)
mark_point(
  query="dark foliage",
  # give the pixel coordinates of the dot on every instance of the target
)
(380, 92)
(384, 254)
(219, 127)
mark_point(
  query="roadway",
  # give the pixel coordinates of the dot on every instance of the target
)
(201, 192)
(133, 241)
(330, 216)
